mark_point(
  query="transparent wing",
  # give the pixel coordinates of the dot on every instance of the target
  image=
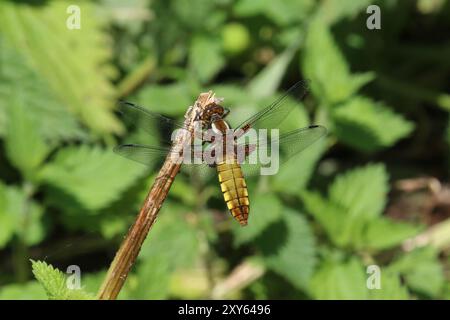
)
(267, 152)
(152, 123)
(275, 113)
(155, 156)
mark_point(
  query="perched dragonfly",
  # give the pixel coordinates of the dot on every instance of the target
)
(241, 144)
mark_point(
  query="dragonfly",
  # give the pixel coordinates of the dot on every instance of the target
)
(261, 134)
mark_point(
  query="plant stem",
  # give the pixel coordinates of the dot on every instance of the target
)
(129, 250)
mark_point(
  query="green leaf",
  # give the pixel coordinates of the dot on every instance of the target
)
(172, 238)
(25, 148)
(54, 283)
(331, 217)
(288, 248)
(382, 233)
(205, 57)
(153, 279)
(326, 67)
(20, 83)
(391, 287)
(361, 191)
(19, 215)
(7, 218)
(92, 176)
(72, 61)
(290, 179)
(334, 11)
(265, 209)
(173, 99)
(422, 271)
(369, 126)
(339, 281)
(266, 82)
(29, 291)
(282, 12)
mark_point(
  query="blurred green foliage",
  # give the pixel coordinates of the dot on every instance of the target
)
(65, 198)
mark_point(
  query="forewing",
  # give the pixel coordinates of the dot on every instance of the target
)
(273, 115)
(153, 123)
(288, 145)
(155, 156)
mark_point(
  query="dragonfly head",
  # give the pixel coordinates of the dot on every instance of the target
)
(212, 112)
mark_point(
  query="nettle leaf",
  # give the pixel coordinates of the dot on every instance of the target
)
(19, 80)
(24, 146)
(422, 271)
(330, 216)
(361, 191)
(205, 57)
(382, 233)
(72, 61)
(264, 210)
(92, 176)
(172, 99)
(54, 283)
(288, 248)
(19, 215)
(339, 281)
(368, 125)
(321, 54)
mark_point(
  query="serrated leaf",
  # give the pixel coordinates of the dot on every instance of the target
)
(92, 176)
(288, 248)
(264, 210)
(54, 283)
(326, 67)
(18, 79)
(339, 281)
(330, 216)
(24, 146)
(382, 233)
(205, 57)
(71, 60)
(369, 126)
(361, 191)
(421, 270)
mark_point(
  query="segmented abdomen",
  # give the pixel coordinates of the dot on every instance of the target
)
(234, 190)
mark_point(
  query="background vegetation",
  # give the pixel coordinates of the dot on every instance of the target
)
(373, 192)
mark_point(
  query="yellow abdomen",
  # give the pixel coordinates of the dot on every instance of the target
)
(234, 190)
